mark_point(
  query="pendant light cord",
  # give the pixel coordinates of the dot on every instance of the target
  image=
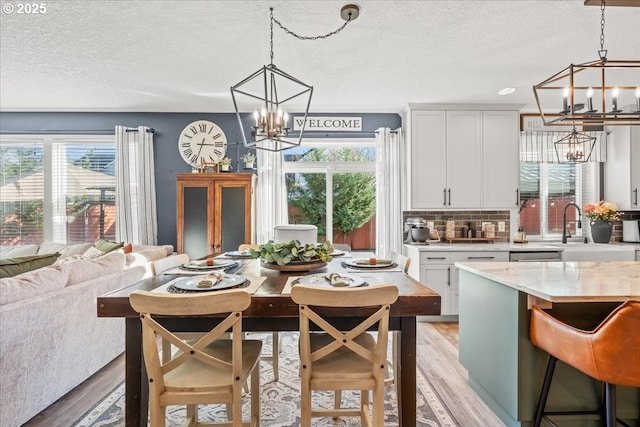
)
(299, 37)
(602, 52)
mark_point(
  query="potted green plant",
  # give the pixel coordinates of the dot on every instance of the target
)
(249, 159)
(225, 164)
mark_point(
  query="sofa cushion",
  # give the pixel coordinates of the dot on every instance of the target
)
(64, 249)
(18, 251)
(88, 269)
(107, 246)
(13, 266)
(93, 253)
(32, 283)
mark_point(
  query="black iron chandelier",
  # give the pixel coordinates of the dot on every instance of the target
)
(593, 93)
(271, 88)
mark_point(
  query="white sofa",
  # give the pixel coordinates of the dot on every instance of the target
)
(51, 339)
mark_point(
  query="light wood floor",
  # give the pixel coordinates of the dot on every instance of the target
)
(437, 354)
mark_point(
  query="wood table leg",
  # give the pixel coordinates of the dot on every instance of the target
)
(136, 387)
(406, 383)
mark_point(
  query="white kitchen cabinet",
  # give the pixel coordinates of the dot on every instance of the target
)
(462, 158)
(428, 159)
(500, 159)
(622, 169)
(437, 271)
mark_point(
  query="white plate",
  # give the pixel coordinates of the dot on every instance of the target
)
(238, 254)
(228, 281)
(364, 263)
(337, 252)
(198, 265)
(322, 279)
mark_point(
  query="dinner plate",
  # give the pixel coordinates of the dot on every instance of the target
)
(337, 252)
(366, 263)
(322, 279)
(201, 265)
(228, 281)
(238, 254)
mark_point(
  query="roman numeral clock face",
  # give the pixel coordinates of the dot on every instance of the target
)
(202, 141)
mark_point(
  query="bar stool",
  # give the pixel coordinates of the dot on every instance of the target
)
(610, 353)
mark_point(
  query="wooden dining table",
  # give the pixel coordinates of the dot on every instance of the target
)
(272, 309)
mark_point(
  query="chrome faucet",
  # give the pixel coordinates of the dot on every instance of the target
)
(565, 233)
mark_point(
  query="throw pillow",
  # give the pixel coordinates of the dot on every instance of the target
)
(7, 252)
(93, 253)
(128, 248)
(88, 269)
(14, 266)
(65, 249)
(32, 283)
(107, 246)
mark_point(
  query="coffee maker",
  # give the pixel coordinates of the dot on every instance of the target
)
(415, 230)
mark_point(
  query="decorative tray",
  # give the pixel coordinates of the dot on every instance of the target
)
(294, 265)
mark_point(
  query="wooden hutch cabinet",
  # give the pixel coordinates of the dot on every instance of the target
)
(215, 212)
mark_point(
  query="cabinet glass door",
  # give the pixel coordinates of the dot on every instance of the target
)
(233, 218)
(196, 220)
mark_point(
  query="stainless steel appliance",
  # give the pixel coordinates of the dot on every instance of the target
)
(415, 230)
(631, 230)
(535, 256)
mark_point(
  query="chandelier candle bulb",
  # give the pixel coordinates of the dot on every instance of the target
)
(590, 99)
(615, 94)
(565, 100)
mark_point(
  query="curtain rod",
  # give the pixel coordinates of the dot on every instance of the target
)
(69, 131)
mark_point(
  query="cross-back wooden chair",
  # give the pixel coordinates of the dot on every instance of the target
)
(209, 370)
(392, 364)
(162, 264)
(344, 360)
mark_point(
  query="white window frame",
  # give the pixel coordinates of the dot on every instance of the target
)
(54, 213)
(331, 168)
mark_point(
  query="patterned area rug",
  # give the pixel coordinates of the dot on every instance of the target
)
(280, 400)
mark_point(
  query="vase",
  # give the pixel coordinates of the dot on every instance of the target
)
(601, 231)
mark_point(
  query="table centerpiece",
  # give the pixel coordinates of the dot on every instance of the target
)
(293, 256)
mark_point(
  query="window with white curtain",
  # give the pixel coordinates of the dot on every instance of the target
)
(332, 184)
(56, 188)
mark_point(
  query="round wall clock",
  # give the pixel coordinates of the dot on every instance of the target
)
(202, 141)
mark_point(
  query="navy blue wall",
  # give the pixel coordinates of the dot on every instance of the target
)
(167, 127)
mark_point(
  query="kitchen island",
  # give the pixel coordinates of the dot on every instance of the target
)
(504, 368)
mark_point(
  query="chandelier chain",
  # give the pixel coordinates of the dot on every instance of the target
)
(602, 52)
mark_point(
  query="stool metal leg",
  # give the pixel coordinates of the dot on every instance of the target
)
(610, 404)
(544, 393)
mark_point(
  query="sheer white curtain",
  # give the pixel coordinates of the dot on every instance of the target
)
(271, 199)
(390, 164)
(136, 220)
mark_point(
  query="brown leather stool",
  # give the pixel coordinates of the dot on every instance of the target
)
(610, 353)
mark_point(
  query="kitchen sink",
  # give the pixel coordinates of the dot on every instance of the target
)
(579, 251)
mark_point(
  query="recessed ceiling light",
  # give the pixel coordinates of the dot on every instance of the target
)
(506, 91)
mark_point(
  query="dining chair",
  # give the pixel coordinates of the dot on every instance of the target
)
(392, 364)
(163, 264)
(344, 360)
(209, 370)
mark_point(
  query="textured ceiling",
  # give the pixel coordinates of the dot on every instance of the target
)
(183, 56)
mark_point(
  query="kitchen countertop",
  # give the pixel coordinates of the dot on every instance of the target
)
(532, 246)
(565, 281)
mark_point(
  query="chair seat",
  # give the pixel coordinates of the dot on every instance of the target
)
(195, 374)
(343, 362)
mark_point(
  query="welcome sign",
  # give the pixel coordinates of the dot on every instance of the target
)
(342, 124)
